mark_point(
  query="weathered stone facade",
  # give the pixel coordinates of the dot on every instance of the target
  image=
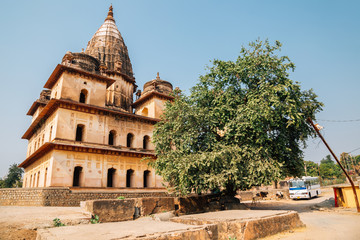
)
(86, 131)
(56, 196)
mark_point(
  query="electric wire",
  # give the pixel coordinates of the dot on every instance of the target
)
(353, 120)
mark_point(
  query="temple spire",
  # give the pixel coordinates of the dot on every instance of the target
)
(110, 15)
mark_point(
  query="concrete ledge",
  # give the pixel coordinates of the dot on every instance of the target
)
(127, 209)
(245, 225)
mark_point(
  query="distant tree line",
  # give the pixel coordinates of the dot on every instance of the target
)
(328, 169)
(14, 177)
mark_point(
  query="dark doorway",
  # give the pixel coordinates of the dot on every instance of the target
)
(146, 178)
(83, 95)
(112, 135)
(129, 140)
(146, 141)
(76, 179)
(110, 177)
(79, 133)
(129, 176)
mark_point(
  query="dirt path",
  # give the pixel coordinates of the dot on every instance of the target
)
(322, 220)
(22, 222)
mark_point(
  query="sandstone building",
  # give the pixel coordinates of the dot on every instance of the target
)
(86, 130)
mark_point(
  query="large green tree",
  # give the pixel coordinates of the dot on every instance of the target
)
(13, 178)
(242, 125)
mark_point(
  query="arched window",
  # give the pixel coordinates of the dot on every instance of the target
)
(83, 96)
(76, 179)
(129, 178)
(145, 112)
(79, 133)
(129, 140)
(110, 177)
(146, 178)
(146, 141)
(112, 137)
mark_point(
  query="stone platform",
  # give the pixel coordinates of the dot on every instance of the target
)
(242, 224)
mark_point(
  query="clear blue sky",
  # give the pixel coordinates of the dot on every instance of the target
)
(178, 39)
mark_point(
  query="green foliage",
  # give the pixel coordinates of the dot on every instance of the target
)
(329, 169)
(243, 125)
(121, 197)
(94, 219)
(57, 222)
(232, 238)
(312, 169)
(13, 178)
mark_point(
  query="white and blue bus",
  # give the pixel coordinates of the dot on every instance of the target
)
(305, 187)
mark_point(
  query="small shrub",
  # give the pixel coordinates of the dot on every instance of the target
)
(94, 219)
(232, 238)
(57, 222)
(121, 197)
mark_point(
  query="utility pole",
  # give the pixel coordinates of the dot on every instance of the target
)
(337, 160)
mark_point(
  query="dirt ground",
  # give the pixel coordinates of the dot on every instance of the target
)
(22, 222)
(322, 220)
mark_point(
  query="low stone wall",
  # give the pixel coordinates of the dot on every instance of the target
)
(247, 228)
(127, 209)
(63, 196)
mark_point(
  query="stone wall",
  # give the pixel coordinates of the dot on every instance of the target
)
(62, 196)
(117, 210)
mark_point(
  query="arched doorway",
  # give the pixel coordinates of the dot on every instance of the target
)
(83, 96)
(146, 141)
(110, 177)
(146, 178)
(129, 178)
(112, 135)
(129, 140)
(76, 179)
(79, 133)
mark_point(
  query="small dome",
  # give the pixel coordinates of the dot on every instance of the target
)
(158, 85)
(81, 61)
(108, 46)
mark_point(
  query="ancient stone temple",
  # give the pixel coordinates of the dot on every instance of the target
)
(86, 130)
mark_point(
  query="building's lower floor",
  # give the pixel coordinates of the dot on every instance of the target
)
(76, 167)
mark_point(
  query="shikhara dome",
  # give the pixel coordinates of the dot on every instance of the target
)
(108, 46)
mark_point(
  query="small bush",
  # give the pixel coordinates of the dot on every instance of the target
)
(57, 222)
(94, 219)
(121, 197)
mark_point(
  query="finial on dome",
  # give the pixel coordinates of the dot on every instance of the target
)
(110, 15)
(157, 76)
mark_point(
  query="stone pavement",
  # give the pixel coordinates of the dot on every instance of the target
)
(212, 225)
